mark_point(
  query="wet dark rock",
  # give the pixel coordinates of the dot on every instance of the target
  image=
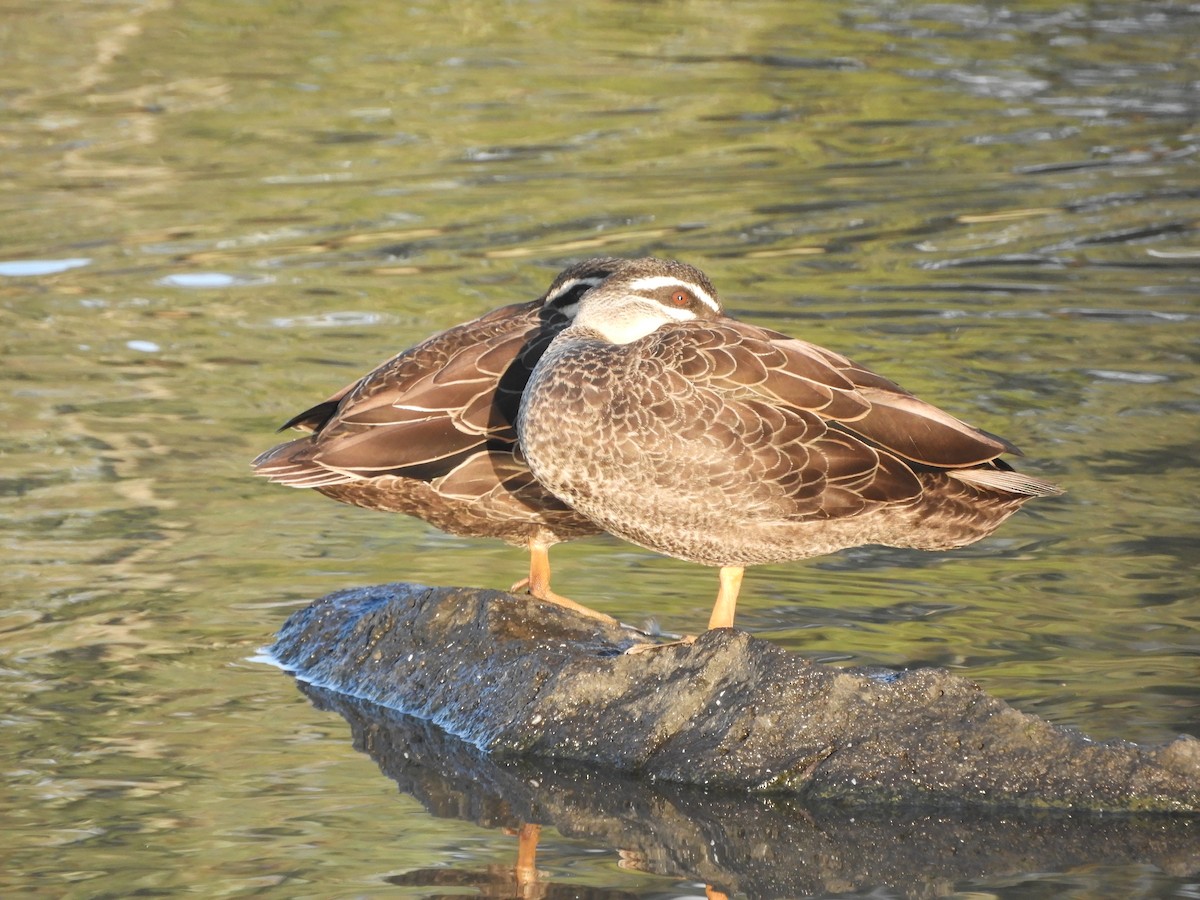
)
(753, 845)
(516, 677)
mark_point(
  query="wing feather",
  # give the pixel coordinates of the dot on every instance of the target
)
(431, 406)
(802, 429)
(739, 359)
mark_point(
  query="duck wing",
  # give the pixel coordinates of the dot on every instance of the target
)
(796, 373)
(828, 436)
(422, 412)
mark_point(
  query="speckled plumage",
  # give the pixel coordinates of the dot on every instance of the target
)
(719, 442)
(430, 433)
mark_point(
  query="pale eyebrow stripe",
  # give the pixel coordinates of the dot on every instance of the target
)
(567, 286)
(653, 282)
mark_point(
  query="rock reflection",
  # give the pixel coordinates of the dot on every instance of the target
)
(761, 846)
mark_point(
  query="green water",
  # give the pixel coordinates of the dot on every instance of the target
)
(214, 214)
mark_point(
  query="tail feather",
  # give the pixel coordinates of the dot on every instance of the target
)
(280, 465)
(1008, 481)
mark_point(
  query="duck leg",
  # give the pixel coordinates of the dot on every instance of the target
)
(723, 609)
(538, 583)
(526, 868)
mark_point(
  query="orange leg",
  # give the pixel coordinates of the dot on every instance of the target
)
(527, 841)
(538, 584)
(723, 609)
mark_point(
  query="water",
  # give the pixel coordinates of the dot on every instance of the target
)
(214, 214)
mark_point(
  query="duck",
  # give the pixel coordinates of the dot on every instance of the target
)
(431, 433)
(701, 437)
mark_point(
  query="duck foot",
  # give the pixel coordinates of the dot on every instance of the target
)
(684, 641)
(524, 587)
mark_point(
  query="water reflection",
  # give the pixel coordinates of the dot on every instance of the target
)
(759, 846)
(994, 202)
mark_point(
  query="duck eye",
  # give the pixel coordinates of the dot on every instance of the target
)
(681, 298)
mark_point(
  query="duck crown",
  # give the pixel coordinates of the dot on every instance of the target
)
(645, 294)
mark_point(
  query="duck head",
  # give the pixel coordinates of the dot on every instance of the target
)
(641, 296)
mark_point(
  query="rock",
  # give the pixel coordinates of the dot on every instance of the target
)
(516, 677)
(748, 844)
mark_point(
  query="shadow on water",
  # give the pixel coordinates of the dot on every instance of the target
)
(760, 846)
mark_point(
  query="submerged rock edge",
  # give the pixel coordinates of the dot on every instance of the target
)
(514, 676)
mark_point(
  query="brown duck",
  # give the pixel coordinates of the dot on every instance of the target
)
(690, 433)
(430, 433)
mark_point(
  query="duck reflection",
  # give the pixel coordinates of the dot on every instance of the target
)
(753, 845)
(522, 881)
